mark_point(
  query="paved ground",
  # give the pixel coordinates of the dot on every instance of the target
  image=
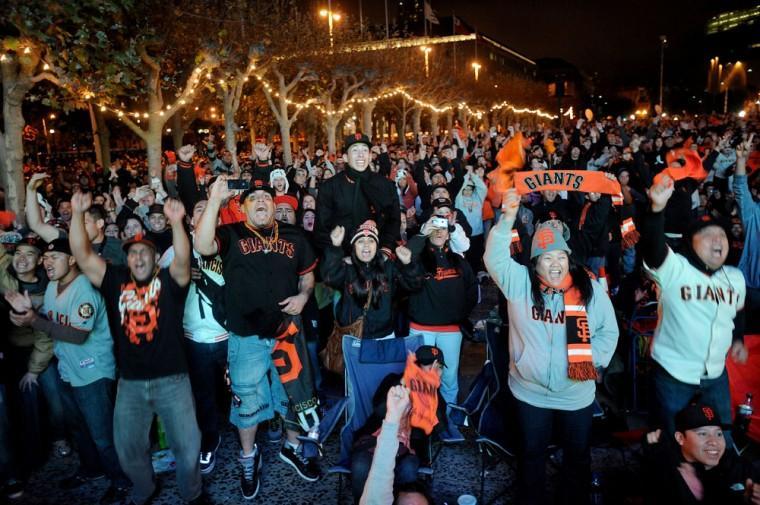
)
(457, 467)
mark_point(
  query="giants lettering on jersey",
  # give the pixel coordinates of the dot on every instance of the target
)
(211, 265)
(252, 245)
(138, 307)
(709, 293)
(548, 317)
(58, 318)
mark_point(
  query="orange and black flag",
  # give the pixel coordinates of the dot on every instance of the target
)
(510, 158)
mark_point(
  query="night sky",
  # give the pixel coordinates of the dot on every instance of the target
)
(619, 41)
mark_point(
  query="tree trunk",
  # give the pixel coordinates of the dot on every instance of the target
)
(449, 121)
(251, 129)
(105, 138)
(287, 153)
(417, 122)
(95, 136)
(178, 131)
(331, 124)
(231, 129)
(434, 117)
(153, 147)
(367, 109)
(15, 88)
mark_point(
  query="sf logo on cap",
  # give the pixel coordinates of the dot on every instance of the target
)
(708, 412)
(358, 136)
(544, 238)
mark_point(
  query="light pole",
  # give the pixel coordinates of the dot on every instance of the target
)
(331, 16)
(476, 67)
(663, 42)
(426, 50)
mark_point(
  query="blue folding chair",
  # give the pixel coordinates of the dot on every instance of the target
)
(367, 362)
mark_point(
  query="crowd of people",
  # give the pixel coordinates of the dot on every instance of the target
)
(252, 271)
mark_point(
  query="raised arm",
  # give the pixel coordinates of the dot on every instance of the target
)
(46, 231)
(180, 266)
(205, 230)
(653, 246)
(509, 275)
(92, 265)
(747, 207)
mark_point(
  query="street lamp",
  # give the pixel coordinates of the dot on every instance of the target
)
(663, 42)
(331, 16)
(476, 67)
(426, 50)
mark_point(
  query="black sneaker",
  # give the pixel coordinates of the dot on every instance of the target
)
(307, 468)
(77, 480)
(13, 489)
(250, 475)
(208, 459)
(114, 494)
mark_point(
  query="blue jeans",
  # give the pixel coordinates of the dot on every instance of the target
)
(450, 343)
(171, 398)
(629, 260)
(258, 392)
(572, 429)
(206, 363)
(89, 413)
(6, 454)
(673, 395)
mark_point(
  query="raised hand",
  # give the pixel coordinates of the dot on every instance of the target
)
(397, 404)
(659, 194)
(80, 202)
(20, 303)
(186, 152)
(510, 204)
(219, 190)
(404, 255)
(337, 235)
(174, 211)
(36, 181)
(262, 151)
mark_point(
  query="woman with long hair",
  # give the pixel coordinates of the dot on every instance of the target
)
(368, 280)
(448, 293)
(562, 328)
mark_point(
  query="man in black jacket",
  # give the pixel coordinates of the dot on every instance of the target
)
(355, 195)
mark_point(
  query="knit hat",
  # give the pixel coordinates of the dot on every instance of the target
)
(59, 245)
(426, 354)
(697, 414)
(286, 199)
(356, 138)
(367, 229)
(279, 173)
(547, 239)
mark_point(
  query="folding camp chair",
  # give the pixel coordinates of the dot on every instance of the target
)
(640, 330)
(367, 362)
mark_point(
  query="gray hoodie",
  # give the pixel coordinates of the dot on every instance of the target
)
(538, 341)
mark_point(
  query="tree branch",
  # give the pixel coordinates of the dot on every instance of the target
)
(46, 76)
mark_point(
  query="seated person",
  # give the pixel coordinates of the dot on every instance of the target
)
(694, 466)
(411, 452)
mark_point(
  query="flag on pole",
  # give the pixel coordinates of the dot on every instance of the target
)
(430, 14)
(459, 27)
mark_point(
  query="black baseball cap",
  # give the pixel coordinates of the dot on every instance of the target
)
(256, 185)
(156, 208)
(426, 354)
(697, 414)
(138, 239)
(356, 138)
(442, 202)
(32, 240)
(59, 245)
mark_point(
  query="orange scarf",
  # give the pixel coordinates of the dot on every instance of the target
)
(580, 363)
(423, 393)
(683, 163)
